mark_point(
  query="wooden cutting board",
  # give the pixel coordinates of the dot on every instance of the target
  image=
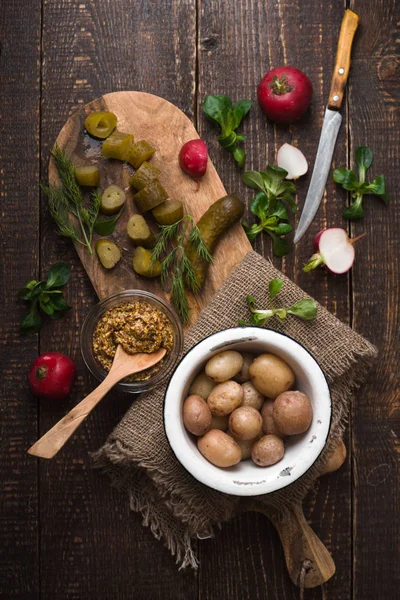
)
(167, 128)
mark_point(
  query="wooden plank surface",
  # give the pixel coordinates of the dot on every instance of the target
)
(20, 29)
(81, 540)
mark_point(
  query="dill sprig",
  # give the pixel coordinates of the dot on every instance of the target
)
(176, 268)
(67, 200)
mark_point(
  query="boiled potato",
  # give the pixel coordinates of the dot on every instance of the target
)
(225, 397)
(243, 374)
(245, 423)
(245, 445)
(269, 426)
(221, 423)
(202, 386)
(267, 451)
(270, 375)
(251, 396)
(292, 412)
(219, 448)
(224, 365)
(196, 415)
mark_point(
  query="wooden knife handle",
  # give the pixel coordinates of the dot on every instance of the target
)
(342, 62)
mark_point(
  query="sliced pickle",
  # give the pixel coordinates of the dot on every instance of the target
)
(112, 199)
(168, 212)
(138, 153)
(150, 196)
(139, 232)
(145, 174)
(116, 145)
(108, 253)
(100, 124)
(141, 263)
(88, 175)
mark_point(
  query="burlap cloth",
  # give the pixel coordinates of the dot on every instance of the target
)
(177, 507)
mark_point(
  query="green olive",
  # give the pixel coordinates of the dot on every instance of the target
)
(138, 153)
(139, 232)
(145, 174)
(88, 175)
(100, 124)
(150, 196)
(168, 212)
(112, 200)
(116, 145)
(108, 253)
(141, 263)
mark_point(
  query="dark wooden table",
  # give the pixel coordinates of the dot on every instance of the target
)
(65, 533)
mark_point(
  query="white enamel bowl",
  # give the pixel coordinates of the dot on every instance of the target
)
(246, 478)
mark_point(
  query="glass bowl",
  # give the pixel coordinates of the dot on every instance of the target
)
(126, 297)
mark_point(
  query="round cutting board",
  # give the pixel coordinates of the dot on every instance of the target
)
(167, 128)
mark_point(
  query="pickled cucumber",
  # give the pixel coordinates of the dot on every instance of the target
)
(139, 232)
(112, 199)
(221, 215)
(145, 174)
(100, 124)
(88, 175)
(168, 212)
(150, 196)
(141, 263)
(116, 145)
(138, 153)
(108, 253)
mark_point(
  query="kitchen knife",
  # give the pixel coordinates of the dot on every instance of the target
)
(331, 124)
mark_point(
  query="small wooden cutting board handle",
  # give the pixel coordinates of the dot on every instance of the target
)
(342, 62)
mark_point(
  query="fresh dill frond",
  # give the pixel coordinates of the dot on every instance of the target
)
(179, 297)
(58, 208)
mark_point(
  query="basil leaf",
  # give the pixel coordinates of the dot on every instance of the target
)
(106, 227)
(239, 111)
(217, 108)
(304, 309)
(275, 286)
(363, 158)
(377, 186)
(32, 321)
(346, 178)
(58, 275)
(253, 179)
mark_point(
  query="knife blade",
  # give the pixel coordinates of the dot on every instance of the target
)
(331, 124)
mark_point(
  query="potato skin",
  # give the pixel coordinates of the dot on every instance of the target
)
(221, 423)
(224, 398)
(270, 375)
(196, 415)
(292, 413)
(245, 423)
(269, 426)
(267, 451)
(202, 386)
(245, 445)
(243, 374)
(219, 448)
(251, 396)
(224, 365)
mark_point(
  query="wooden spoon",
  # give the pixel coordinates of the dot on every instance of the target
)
(123, 365)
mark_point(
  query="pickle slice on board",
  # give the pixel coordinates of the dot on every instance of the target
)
(141, 263)
(100, 124)
(112, 199)
(88, 175)
(139, 232)
(139, 152)
(108, 253)
(168, 212)
(116, 145)
(150, 196)
(145, 174)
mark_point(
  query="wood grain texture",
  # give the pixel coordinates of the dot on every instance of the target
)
(92, 545)
(374, 111)
(167, 128)
(20, 27)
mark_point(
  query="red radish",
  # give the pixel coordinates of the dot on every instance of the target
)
(284, 94)
(52, 376)
(193, 158)
(292, 160)
(334, 249)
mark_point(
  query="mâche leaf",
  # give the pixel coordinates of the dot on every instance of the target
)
(58, 275)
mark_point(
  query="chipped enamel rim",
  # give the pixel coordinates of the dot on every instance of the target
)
(246, 478)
